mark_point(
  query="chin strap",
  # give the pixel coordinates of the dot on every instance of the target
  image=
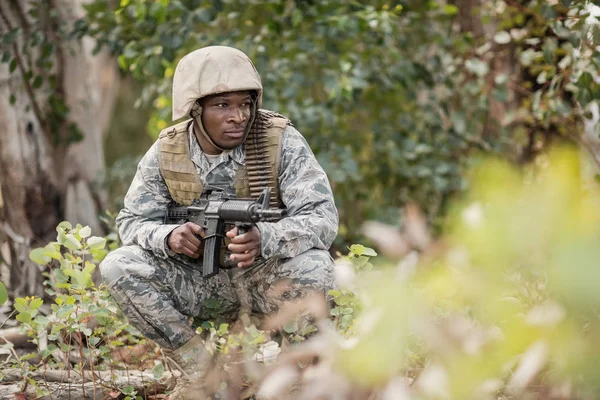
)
(196, 114)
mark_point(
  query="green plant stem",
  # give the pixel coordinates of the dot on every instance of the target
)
(92, 368)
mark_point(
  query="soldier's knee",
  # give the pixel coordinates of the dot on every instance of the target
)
(123, 262)
(313, 268)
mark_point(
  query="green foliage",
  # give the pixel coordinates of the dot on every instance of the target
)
(505, 303)
(392, 99)
(3, 293)
(357, 82)
(76, 301)
(509, 298)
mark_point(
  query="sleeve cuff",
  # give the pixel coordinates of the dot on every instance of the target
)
(266, 244)
(161, 234)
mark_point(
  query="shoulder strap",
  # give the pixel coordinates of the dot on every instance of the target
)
(275, 135)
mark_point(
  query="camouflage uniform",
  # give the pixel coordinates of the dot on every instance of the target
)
(158, 291)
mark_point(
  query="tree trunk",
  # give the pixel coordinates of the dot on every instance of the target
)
(45, 176)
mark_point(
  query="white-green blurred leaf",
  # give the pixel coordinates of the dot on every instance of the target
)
(96, 242)
(39, 256)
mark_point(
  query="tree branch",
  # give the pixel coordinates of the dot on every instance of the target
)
(34, 104)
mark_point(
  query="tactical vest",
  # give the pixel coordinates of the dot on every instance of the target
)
(263, 147)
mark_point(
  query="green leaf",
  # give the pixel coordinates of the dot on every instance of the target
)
(223, 329)
(61, 237)
(52, 251)
(502, 37)
(451, 10)
(369, 252)
(64, 311)
(158, 370)
(357, 249)
(39, 256)
(22, 301)
(3, 293)
(41, 320)
(21, 307)
(11, 36)
(291, 327)
(129, 390)
(46, 352)
(29, 356)
(71, 242)
(89, 268)
(65, 225)
(85, 231)
(37, 82)
(98, 255)
(477, 66)
(36, 303)
(12, 66)
(123, 62)
(24, 317)
(102, 312)
(96, 243)
(585, 80)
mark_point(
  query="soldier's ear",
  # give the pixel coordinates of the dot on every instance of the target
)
(196, 110)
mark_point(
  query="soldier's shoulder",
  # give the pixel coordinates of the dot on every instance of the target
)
(274, 118)
(176, 129)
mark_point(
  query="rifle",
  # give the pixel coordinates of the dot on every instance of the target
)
(216, 210)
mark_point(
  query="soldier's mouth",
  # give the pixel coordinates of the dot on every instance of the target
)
(235, 133)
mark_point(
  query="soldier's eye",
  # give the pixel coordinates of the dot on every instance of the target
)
(222, 105)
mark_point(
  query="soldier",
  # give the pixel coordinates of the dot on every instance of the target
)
(220, 91)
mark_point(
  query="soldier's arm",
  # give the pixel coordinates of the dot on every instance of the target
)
(312, 218)
(140, 222)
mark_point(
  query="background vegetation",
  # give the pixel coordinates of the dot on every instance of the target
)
(485, 282)
(395, 98)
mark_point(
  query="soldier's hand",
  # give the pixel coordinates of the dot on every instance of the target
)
(184, 240)
(244, 248)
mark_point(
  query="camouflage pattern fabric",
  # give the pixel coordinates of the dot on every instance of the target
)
(159, 296)
(157, 290)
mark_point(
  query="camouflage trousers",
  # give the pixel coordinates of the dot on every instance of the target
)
(159, 296)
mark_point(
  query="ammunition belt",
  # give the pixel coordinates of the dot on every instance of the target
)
(260, 171)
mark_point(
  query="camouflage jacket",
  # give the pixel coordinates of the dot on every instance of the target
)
(312, 218)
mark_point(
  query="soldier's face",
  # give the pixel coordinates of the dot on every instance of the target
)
(225, 117)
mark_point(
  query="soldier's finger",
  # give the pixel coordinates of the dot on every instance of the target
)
(245, 258)
(247, 263)
(196, 229)
(232, 232)
(241, 239)
(247, 237)
(188, 235)
(189, 249)
(240, 248)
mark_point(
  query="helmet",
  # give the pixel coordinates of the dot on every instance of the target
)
(212, 70)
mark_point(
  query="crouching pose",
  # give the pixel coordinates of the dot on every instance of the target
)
(228, 142)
